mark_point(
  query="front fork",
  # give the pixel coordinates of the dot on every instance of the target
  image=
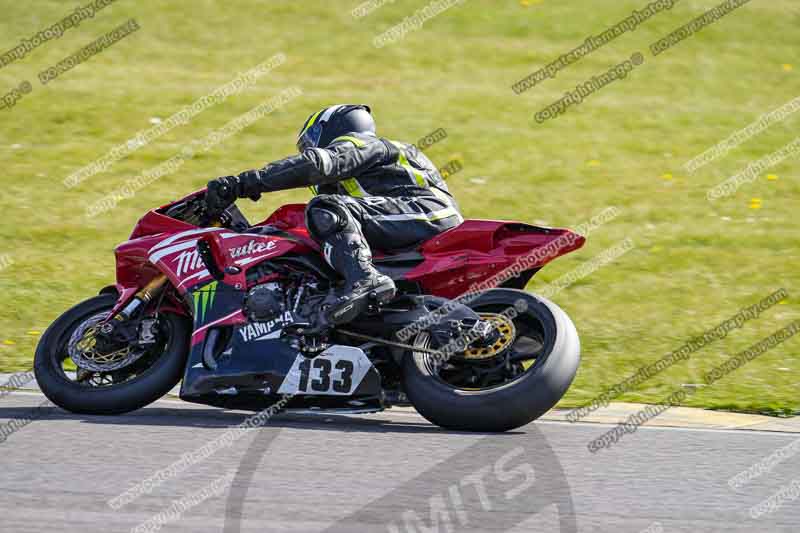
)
(150, 292)
(117, 322)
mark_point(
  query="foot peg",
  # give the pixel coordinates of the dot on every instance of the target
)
(383, 294)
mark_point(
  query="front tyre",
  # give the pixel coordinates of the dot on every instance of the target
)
(124, 381)
(507, 384)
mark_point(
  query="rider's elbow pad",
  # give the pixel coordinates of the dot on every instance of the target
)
(342, 160)
(392, 153)
(323, 163)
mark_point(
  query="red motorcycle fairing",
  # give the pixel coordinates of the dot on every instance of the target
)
(160, 244)
(178, 257)
(481, 254)
(476, 254)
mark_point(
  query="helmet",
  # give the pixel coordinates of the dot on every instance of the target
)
(324, 126)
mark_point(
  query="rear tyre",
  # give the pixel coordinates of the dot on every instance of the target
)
(542, 331)
(122, 390)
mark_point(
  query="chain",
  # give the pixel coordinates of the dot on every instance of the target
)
(378, 340)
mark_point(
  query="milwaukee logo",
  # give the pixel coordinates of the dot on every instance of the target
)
(252, 247)
(188, 261)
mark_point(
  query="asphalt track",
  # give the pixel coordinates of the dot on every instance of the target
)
(391, 472)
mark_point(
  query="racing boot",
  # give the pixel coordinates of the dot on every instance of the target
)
(349, 255)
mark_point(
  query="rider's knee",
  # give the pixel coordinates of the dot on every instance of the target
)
(326, 216)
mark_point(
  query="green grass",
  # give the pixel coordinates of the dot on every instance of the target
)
(694, 265)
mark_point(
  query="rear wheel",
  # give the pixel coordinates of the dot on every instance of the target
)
(509, 382)
(81, 373)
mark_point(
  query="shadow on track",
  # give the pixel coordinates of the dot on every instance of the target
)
(220, 418)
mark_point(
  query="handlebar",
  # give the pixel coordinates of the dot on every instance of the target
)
(194, 211)
(207, 218)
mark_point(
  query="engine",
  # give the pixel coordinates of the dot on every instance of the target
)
(265, 302)
(272, 306)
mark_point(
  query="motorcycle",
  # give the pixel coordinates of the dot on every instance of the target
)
(224, 307)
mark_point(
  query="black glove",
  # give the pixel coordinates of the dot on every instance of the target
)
(249, 185)
(221, 194)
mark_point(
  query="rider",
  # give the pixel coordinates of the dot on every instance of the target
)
(369, 191)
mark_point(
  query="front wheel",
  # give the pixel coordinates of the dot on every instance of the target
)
(78, 374)
(507, 383)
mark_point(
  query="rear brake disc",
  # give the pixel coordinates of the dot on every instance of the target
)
(507, 331)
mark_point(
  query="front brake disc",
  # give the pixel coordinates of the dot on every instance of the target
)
(84, 352)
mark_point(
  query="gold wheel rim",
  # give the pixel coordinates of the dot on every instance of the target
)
(508, 333)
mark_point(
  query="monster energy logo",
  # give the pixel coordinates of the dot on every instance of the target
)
(203, 300)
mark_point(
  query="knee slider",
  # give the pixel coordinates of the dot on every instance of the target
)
(324, 222)
(326, 216)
